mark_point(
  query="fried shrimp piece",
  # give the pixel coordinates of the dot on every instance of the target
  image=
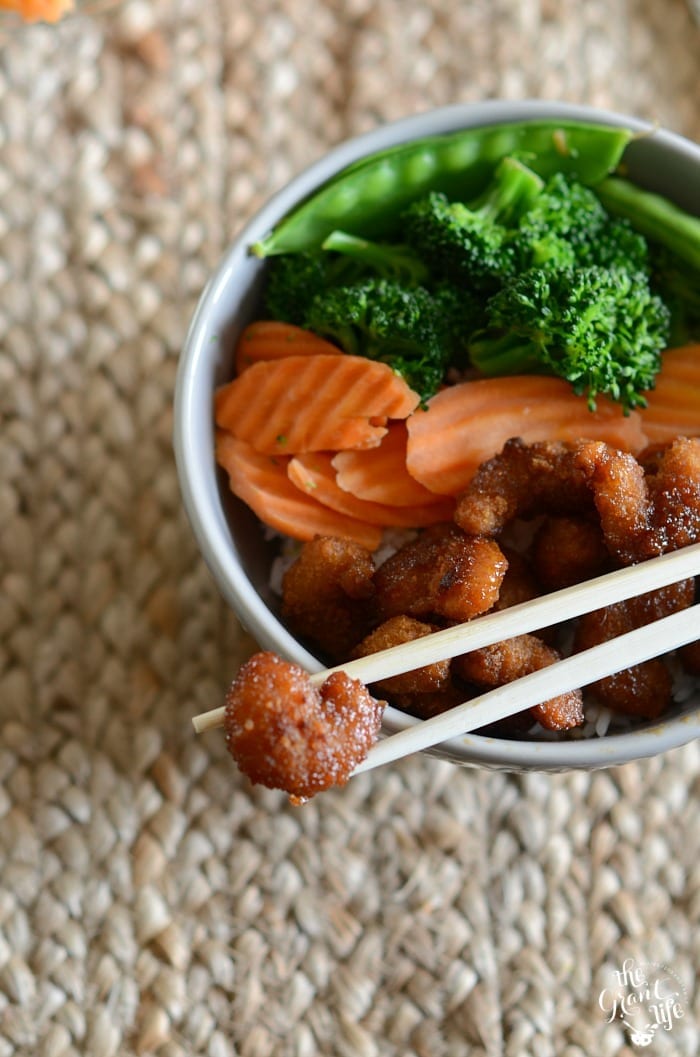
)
(504, 662)
(674, 494)
(444, 574)
(523, 480)
(568, 550)
(393, 632)
(286, 734)
(650, 457)
(431, 702)
(327, 594)
(519, 583)
(645, 514)
(690, 657)
(621, 497)
(644, 689)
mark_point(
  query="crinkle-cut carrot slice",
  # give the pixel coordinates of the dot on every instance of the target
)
(468, 423)
(314, 474)
(262, 483)
(379, 475)
(312, 403)
(673, 405)
(271, 339)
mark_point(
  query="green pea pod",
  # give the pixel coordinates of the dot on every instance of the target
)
(654, 216)
(367, 197)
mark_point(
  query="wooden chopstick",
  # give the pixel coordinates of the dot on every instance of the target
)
(651, 640)
(553, 608)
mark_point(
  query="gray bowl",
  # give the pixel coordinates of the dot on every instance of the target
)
(229, 535)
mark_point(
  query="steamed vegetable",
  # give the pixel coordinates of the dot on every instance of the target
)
(673, 408)
(388, 259)
(654, 216)
(312, 403)
(567, 226)
(600, 329)
(368, 197)
(468, 423)
(523, 256)
(264, 485)
(473, 241)
(407, 327)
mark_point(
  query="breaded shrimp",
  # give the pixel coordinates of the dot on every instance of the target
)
(393, 632)
(523, 480)
(644, 515)
(674, 494)
(443, 574)
(690, 657)
(286, 734)
(431, 702)
(643, 689)
(567, 550)
(504, 662)
(519, 583)
(327, 594)
(621, 497)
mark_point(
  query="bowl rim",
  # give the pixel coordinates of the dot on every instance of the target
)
(193, 459)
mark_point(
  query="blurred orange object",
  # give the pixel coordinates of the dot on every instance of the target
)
(39, 10)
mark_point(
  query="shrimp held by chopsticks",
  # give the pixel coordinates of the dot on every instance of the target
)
(285, 733)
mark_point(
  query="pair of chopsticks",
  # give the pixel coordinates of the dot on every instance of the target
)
(652, 640)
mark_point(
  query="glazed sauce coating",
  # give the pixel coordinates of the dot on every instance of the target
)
(394, 632)
(504, 662)
(522, 481)
(643, 514)
(285, 733)
(568, 550)
(643, 689)
(328, 594)
(449, 575)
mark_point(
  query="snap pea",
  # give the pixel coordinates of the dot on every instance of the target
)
(654, 216)
(367, 196)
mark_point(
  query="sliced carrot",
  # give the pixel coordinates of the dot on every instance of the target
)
(314, 475)
(271, 339)
(467, 423)
(312, 403)
(261, 481)
(673, 406)
(379, 475)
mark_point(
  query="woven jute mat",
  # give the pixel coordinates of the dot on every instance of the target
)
(151, 900)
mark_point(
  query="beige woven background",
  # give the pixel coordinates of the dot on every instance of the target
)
(150, 900)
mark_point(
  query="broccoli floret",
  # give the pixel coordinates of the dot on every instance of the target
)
(561, 221)
(403, 326)
(293, 280)
(388, 260)
(461, 312)
(531, 277)
(567, 226)
(470, 242)
(603, 330)
(617, 245)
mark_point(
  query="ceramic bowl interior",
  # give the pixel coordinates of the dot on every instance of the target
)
(228, 533)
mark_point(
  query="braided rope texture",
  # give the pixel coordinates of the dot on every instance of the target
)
(150, 900)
